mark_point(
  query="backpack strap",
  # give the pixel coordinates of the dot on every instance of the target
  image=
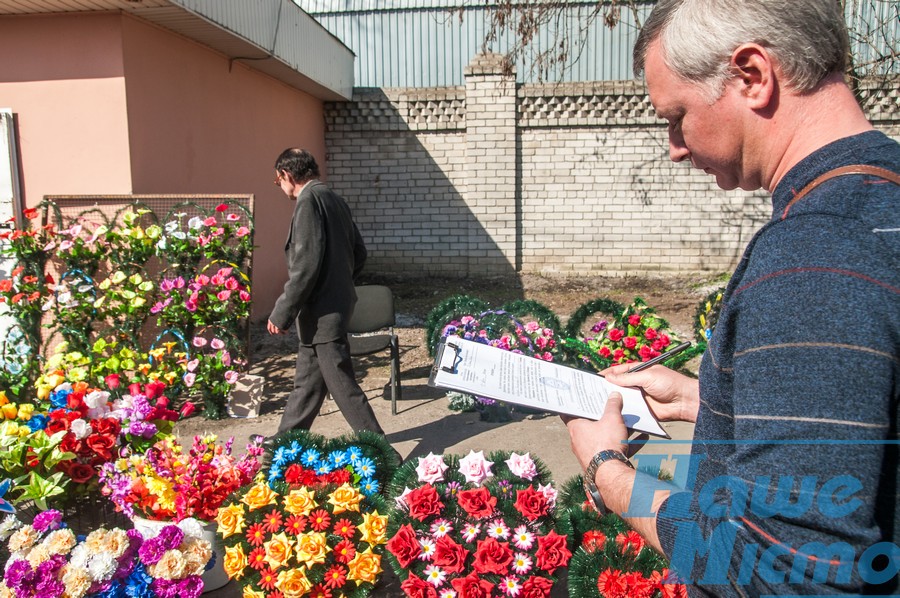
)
(881, 173)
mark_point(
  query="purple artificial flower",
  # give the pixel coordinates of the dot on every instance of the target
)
(165, 588)
(142, 429)
(141, 407)
(171, 536)
(166, 285)
(49, 520)
(151, 551)
(49, 587)
(19, 576)
(190, 587)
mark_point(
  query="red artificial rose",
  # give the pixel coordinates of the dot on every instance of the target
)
(80, 473)
(187, 409)
(57, 423)
(221, 207)
(615, 334)
(477, 502)
(75, 401)
(493, 557)
(154, 389)
(415, 587)
(611, 584)
(449, 555)
(536, 587)
(339, 477)
(650, 334)
(112, 381)
(552, 552)
(423, 502)
(531, 503)
(405, 546)
(618, 355)
(472, 586)
(630, 342)
(605, 352)
(107, 426)
(134, 389)
(70, 444)
(645, 352)
(292, 473)
(634, 319)
(102, 445)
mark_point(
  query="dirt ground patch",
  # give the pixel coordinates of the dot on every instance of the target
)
(423, 422)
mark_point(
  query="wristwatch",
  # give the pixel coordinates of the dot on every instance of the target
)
(590, 487)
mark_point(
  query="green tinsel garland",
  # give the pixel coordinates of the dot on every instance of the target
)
(585, 567)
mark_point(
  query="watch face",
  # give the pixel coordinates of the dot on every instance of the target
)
(593, 497)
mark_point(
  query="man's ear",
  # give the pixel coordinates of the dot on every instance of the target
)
(754, 72)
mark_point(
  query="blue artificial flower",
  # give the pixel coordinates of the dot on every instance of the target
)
(59, 398)
(5, 507)
(323, 467)
(339, 458)
(355, 454)
(370, 486)
(115, 590)
(293, 451)
(274, 473)
(310, 457)
(365, 467)
(37, 422)
(138, 584)
(280, 456)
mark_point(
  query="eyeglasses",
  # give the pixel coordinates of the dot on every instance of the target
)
(278, 179)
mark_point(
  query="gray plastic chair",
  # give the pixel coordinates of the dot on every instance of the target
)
(371, 330)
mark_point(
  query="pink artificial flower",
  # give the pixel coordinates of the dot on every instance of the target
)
(522, 466)
(189, 379)
(475, 467)
(242, 231)
(231, 377)
(232, 218)
(192, 365)
(532, 327)
(244, 295)
(217, 344)
(209, 221)
(223, 295)
(199, 341)
(232, 284)
(431, 468)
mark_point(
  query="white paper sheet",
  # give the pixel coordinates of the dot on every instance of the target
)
(486, 371)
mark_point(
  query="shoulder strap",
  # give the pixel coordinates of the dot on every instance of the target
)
(882, 173)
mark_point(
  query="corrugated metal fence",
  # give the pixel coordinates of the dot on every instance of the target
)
(424, 43)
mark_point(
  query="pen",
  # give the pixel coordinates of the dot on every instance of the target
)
(660, 358)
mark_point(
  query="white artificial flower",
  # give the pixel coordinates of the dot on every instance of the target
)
(8, 526)
(80, 428)
(191, 527)
(102, 566)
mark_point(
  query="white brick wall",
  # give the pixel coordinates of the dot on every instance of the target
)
(570, 179)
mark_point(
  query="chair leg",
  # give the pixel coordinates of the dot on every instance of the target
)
(395, 373)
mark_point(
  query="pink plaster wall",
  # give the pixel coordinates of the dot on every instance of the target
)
(111, 104)
(64, 77)
(198, 127)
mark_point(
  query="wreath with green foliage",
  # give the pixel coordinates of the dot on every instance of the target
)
(447, 310)
(610, 558)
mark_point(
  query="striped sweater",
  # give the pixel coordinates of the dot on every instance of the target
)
(801, 379)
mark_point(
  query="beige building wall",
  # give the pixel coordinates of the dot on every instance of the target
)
(111, 104)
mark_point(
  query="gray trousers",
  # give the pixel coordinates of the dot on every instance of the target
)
(321, 369)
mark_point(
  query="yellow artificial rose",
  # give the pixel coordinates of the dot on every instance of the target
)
(364, 567)
(300, 501)
(231, 520)
(345, 498)
(26, 410)
(3, 399)
(9, 411)
(235, 561)
(278, 550)
(312, 548)
(259, 496)
(374, 528)
(293, 583)
(249, 592)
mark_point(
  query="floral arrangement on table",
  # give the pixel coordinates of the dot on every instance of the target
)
(611, 560)
(315, 523)
(473, 527)
(169, 483)
(48, 561)
(636, 333)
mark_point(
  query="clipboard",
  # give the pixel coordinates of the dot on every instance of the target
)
(482, 370)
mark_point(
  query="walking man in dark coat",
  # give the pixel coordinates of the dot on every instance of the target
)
(324, 252)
